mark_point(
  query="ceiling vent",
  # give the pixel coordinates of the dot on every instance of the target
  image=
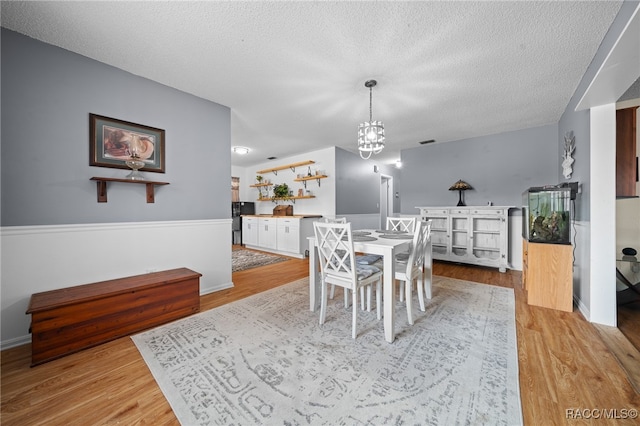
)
(426, 142)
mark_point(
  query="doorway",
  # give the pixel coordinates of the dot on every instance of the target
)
(386, 199)
(628, 218)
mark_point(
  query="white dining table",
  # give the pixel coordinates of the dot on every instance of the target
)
(387, 248)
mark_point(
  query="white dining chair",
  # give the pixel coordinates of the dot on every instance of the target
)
(410, 269)
(335, 220)
(338, 267)
(403, 224)
(425, 260)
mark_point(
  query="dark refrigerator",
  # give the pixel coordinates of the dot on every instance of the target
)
(239, 208)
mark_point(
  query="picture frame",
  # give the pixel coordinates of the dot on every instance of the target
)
(113, 141)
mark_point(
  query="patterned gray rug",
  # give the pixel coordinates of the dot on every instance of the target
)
(246, 259)
(265, 360)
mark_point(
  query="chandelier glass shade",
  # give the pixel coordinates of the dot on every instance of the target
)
(370, 133)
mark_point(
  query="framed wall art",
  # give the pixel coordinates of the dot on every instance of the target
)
(112, 142)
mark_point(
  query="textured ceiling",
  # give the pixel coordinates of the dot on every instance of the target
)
(293, 73)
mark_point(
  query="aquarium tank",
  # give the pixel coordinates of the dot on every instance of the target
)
(546, 215)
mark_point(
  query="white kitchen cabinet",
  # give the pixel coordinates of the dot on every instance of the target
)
(288, 234)
(293, 233)
(267, 232)
(250, 231)
(285, 235)
(475, 235)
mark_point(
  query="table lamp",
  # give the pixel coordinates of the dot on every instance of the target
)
(460, 186)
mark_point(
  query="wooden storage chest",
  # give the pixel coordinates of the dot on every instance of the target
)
(70, 319)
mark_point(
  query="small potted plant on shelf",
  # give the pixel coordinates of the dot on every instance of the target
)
(280, 192)
(259, 179)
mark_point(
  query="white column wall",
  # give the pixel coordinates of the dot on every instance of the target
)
(602, 275)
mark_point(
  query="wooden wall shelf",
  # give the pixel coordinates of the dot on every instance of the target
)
(313, 177)
(101, 183)
(291, 166)
(293, 197)
(260, 185)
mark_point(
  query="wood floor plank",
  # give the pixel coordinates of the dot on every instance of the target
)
(563, 364)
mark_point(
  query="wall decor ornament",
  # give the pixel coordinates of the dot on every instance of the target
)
(113, 143)
(567, 160)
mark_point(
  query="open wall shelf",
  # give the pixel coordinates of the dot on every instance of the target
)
(101, 183)
(313, 177)
(291, 166)
(293, 198)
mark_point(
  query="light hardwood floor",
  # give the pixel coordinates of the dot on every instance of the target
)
(563, 365)
(629, 322)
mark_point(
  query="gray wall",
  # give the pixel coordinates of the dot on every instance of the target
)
(357, 185)
(47, 95)
(499, 168)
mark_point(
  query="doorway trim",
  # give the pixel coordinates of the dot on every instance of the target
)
(386, 199)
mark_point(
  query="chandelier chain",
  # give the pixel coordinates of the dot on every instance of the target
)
(370, 104)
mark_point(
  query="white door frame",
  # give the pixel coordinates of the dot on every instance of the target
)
(386, 199)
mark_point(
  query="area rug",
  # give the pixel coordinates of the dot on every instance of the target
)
(246, 259)
(266, 360)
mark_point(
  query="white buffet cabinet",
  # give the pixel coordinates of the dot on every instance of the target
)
(470, 234)
(278, 234)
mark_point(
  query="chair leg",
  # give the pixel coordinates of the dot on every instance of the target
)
(379, 299)
(408, 285)
(355, 313)
(362, 298)
(333, 290)
(323, 302)
(427, 280)
(346, 297)
(369, 290)
(401, 298)
(421, 291)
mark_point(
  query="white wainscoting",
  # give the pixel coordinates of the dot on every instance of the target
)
(41, 258)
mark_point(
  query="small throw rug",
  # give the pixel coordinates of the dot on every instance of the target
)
(265, 360)
(246, 259)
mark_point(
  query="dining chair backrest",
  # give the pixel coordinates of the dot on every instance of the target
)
(418, 244)
(335, 250)
(426, 224)
(333, 219)
(404, 224)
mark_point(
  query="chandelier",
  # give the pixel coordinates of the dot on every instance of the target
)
(370, 133)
